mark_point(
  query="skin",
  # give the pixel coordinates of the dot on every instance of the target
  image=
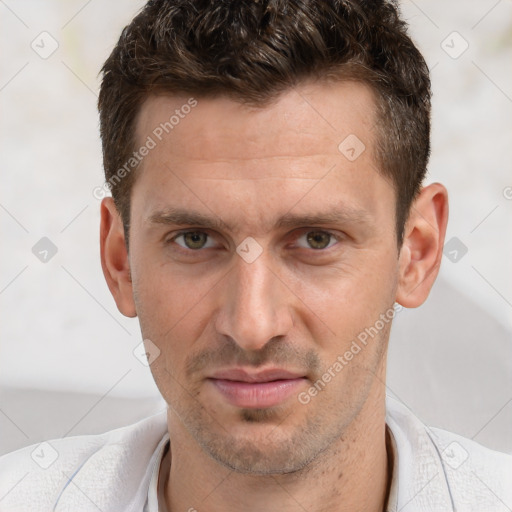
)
(295, 307)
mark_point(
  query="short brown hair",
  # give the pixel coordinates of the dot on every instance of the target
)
(252, 50)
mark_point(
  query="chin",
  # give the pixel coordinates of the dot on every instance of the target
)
(259, 446)
(249, 458)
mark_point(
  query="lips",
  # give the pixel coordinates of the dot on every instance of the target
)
(262, 389)
(271, 374)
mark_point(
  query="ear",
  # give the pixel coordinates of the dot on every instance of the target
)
(422, 249)
(114, 258)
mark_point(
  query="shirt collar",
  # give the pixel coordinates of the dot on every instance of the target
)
(418, 482)
(156, 500)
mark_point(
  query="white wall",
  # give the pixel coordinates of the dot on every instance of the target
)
(60, 327)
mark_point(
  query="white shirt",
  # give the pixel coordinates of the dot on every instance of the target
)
(433, 471)
(155, 491)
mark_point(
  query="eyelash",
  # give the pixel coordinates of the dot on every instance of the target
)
(304, 232)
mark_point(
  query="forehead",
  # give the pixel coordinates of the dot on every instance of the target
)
(310, 120)
(222, 158)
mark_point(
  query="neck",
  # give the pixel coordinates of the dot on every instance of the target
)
(351, 475)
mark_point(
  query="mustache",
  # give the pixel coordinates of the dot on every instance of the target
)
(276, 351)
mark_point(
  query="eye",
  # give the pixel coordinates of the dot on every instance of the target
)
(317, 240)
(194, 240)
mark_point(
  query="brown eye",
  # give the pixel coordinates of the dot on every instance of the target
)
(318, 239)
(192, 239)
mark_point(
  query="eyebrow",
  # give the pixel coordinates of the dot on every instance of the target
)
(340, 215)
(180, 217)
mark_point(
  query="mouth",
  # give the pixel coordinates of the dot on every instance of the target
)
(256, 390)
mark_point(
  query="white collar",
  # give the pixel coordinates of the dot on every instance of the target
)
(155, 501)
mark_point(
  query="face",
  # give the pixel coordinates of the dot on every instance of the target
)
(259, 252)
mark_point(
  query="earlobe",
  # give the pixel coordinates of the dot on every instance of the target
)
(114, 258)
(422, 249)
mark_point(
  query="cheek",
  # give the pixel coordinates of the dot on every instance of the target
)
(173, 310)
(340, 302)
(173, 318)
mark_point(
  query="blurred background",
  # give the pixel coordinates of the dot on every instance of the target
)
(70, 363)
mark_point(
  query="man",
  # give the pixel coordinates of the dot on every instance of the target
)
(266, 161)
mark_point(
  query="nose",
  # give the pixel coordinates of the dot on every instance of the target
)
(255, 305)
